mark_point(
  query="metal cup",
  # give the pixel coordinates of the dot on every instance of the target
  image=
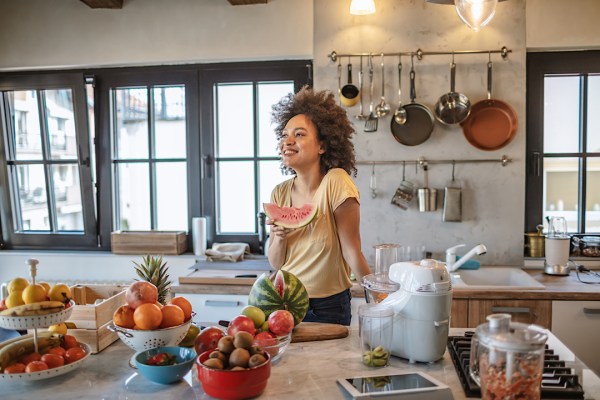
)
(427, 199)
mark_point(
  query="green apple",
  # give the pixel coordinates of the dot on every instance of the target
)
(265, 326)
(256, 315)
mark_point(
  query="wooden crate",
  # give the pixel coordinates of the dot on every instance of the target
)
(89, 315)
(148, 242)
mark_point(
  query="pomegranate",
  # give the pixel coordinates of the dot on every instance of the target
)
(141, 292)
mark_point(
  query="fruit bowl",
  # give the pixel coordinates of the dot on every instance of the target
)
(233, 385)
(275, 347)
(140, 340)
(165, 374)
(36, 321)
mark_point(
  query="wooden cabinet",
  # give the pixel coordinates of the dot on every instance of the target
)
(471, 313)
(459, 316)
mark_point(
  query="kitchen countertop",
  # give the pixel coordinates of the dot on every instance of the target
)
(307, 370)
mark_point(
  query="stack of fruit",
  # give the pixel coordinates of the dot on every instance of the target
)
(25, 299)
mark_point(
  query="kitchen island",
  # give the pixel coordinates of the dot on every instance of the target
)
(307, 370)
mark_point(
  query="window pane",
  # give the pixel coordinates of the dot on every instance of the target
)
(561, 114)
(131, 123)
(592, 201)
(593, 128)
(61, 124)
(269, 93)
(169, 122)
(171, 196)
(133, 190)
(235, 120)
(270, 176)
(33, 199)
(27, 139)
(67, 194)
(561, 189)
(235, 204)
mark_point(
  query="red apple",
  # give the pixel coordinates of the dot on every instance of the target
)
(264, 339)
(241, 323)
(207, 339)
(281, 322)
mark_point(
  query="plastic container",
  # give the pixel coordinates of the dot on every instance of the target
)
(590, 246)
(375, 326)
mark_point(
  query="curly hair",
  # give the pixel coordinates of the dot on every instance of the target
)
(334, 129)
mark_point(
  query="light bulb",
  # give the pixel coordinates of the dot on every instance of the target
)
(476, 13)
(362, 7)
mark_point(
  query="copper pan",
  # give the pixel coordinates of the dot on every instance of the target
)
(492, 123)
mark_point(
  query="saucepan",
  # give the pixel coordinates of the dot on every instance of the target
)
(452, 108)
(349, 94)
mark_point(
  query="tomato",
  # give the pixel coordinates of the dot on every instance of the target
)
(162, 359)
(281, 322)
(74, 354)
(207, 339)
(69, 341)
(59, 351)
(17, 368)
(31, 357)
(241, 323)
(35, 366)
(53, 360)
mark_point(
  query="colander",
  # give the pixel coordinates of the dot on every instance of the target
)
(140, 340)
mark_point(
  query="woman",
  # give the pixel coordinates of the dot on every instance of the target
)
(314, 142)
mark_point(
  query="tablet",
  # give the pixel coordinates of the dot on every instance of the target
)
(411, 385)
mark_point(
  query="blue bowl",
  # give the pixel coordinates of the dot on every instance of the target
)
(165, 373)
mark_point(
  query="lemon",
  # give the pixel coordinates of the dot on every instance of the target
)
(34, 294)
(59, 292)
(58, 328)
(14, 299)
(17, 284)
(46, 286)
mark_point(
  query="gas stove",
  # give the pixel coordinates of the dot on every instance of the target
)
(558, 381)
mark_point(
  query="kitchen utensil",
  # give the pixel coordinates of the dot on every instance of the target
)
(316, 331)
(419, 119)
(421, 309)
(361, 116)
(426, 195)
(507, 359)
(400, 114)
(557, 248)
(339, 76)
(405, 192)
(376, 329)
(349, 94)
(385, 255)
(140, 340)
(557, 227)
(274, 346)
(536, 242)
(453, 107)
(371, 122)
(492, 124)
(373, 183)
(452, 200)
(378, 287)
(382, 108)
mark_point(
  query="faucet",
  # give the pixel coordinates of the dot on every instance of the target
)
(451, 263)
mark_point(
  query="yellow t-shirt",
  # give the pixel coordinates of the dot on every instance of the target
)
(314, 253)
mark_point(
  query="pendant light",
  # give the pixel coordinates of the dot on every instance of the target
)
(362, 7)
(476, 13)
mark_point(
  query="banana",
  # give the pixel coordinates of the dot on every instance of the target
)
(39, 308)
(14, 351)
(19, 338)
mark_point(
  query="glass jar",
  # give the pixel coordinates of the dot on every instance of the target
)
(590, 246)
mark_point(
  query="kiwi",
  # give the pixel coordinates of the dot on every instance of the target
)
(239, 357)
(213, 363)
(243, 340)
(237, 368)
(256, 360)
(226, 344)
(219, 355)
(255, 350)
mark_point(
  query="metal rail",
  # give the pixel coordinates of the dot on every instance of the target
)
(422, 161)
(420, 53)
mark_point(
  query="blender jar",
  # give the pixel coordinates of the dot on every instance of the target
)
(507, 359)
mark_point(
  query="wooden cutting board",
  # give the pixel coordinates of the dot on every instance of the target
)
(313, 331)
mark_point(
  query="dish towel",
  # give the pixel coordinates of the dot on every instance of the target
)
(232, 252)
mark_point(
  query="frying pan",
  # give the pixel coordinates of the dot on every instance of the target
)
(349, 94)
(452, 108)
(419, 119)
(492, 123)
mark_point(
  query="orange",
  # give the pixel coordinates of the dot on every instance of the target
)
(147, 316)
(172, 315)
(123, 317)
(184, 304)
(17, 284)
(14, 299)
(60, 292)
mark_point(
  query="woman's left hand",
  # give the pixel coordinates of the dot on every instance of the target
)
(276, 230)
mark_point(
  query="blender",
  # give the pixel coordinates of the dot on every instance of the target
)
(557, 246)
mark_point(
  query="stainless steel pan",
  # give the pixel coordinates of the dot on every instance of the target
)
(452, 108)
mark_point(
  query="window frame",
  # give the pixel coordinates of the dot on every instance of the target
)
(538, 66)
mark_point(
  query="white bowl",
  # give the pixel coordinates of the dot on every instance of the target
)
(140, 340)
(36, 321)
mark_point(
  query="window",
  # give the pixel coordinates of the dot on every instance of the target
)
(563, 139)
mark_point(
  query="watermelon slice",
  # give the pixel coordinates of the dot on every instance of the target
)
(291, 217)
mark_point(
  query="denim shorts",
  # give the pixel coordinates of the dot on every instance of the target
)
(334, 309)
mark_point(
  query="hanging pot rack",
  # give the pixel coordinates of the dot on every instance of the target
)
(420, 53)
(422, 161)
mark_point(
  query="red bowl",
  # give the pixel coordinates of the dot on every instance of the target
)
(233, 385)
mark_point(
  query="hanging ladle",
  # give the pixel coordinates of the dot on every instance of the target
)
(400, 114)
(382, 108)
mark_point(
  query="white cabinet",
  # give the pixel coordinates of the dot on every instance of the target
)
(211, 308)
(576, 324)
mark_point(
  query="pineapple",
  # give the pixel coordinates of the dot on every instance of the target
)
(154, 270)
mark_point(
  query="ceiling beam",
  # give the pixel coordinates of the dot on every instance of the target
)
(104, 3)
(246, 2)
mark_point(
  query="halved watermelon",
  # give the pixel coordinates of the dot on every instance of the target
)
(291, 217)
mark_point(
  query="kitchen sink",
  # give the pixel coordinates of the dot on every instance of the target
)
(494, 278)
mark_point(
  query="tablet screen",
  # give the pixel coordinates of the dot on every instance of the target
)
(390, 382)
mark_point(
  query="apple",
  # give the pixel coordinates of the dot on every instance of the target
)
(264, 339)
(281, 322)
(207, 339)
(241, 323)
(256, 314)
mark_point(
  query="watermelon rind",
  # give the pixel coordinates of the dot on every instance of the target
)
(291, 217)
(265, 296)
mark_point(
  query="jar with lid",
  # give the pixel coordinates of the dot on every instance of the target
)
(507, 359)
(590, 246)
